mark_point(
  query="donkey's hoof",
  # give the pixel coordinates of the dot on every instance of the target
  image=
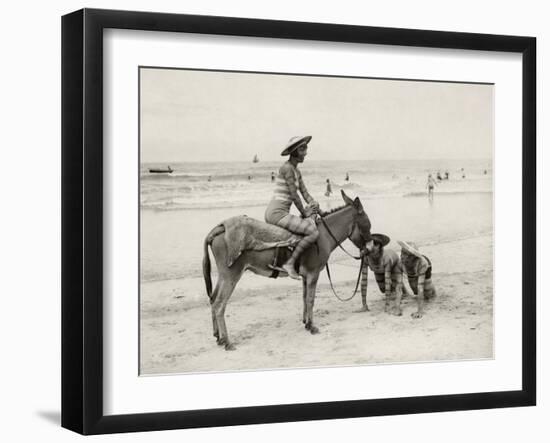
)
(363, 309)
(230, 347)
(220, 341)
(314, 329)
(397, 312)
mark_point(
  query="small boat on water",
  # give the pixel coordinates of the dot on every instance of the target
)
(255, 159)
(168, 170)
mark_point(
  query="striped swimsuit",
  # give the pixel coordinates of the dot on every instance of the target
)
(422, 266)
(389, 261)
(288, 181)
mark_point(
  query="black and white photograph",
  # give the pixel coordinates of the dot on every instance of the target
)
(300, 221)
(275, 221)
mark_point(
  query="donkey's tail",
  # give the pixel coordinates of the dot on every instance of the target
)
(206, 266)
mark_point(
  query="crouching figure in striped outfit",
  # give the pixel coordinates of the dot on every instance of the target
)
(287, 184)
(418, 269)
(388, 272)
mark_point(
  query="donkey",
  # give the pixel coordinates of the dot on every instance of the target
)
(348, 221)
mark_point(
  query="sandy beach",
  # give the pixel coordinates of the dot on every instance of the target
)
(264, 319)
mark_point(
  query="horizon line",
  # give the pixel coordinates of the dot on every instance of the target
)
(332, 160)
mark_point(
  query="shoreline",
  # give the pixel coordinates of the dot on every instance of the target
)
(171, 242)
(334, 198)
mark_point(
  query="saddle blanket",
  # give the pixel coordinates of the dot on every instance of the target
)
(243, 233)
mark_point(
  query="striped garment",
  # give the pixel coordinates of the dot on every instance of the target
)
(288, 182)
(288, 174)
(389, 263)
(421, 266)
(420, 274)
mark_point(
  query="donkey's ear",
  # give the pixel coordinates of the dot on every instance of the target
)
(358, 205)
(348, 200)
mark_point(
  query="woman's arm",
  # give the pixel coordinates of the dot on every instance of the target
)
(422, 268)
(303, 190)
(387, 281)
(364, 284)
(287, 171)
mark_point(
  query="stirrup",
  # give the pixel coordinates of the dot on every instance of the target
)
(277, 268)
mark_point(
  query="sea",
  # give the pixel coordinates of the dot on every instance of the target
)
(179, 209)
(218, 185)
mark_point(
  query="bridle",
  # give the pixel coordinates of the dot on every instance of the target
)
(361, 257)
(338, 242)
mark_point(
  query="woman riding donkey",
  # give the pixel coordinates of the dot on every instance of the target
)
(287, 184)
(349, 221)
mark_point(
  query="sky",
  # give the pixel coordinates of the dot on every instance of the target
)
(190, 115)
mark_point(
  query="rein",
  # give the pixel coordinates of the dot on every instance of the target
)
(356, 284)
(337, 242)
(352, 256)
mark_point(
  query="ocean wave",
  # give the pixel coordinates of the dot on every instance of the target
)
(457, 192)
(224, 199)
(203, 177)
(171, 205)
(229, 185)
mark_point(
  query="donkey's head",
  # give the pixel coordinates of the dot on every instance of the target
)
(360, 234)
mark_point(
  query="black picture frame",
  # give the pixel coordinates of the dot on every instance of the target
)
(82, 218)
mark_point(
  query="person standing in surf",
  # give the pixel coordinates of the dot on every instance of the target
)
(329, 188)
(287, 184)
(430, 185)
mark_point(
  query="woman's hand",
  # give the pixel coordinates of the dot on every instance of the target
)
(313, 208)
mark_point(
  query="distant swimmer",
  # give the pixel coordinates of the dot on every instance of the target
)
(329, 188)
(446, 175)
(347, 176)
(439, 176)
(430, 185)
(249, 177)
(209, 178)
(485, 172)
(272, 176)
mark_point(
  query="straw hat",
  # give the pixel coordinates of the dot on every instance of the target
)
(382, 239)
(294, 143)
(409, 247)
